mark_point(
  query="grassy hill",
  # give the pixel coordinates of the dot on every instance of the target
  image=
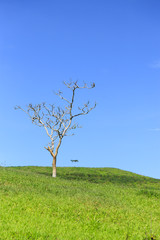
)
(80, 204)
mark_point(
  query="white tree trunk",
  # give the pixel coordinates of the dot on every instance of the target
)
(54, 167)
(54, 172)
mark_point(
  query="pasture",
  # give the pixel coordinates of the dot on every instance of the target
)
(80, 204)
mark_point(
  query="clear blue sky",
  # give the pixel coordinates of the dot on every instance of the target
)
(115, 44)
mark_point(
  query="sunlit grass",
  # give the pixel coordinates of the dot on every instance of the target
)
(80, 204)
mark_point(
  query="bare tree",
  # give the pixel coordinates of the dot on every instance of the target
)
(58, 121)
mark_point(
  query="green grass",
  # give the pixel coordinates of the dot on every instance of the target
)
(80, 204)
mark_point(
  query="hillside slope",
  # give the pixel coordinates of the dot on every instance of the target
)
(80, 204)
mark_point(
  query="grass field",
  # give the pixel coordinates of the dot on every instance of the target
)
(80, 204)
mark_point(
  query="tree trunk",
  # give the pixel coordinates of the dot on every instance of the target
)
(54, 167)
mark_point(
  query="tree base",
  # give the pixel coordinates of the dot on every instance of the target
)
(54, 175)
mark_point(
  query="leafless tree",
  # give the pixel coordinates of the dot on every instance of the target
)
(58, 121)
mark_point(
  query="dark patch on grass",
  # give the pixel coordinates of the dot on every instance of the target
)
(152, 237)
(105, 177)
(149, 193)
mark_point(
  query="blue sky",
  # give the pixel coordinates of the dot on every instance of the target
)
(112, 43)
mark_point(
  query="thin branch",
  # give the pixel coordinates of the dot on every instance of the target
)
(85, 110)
(60, 95)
